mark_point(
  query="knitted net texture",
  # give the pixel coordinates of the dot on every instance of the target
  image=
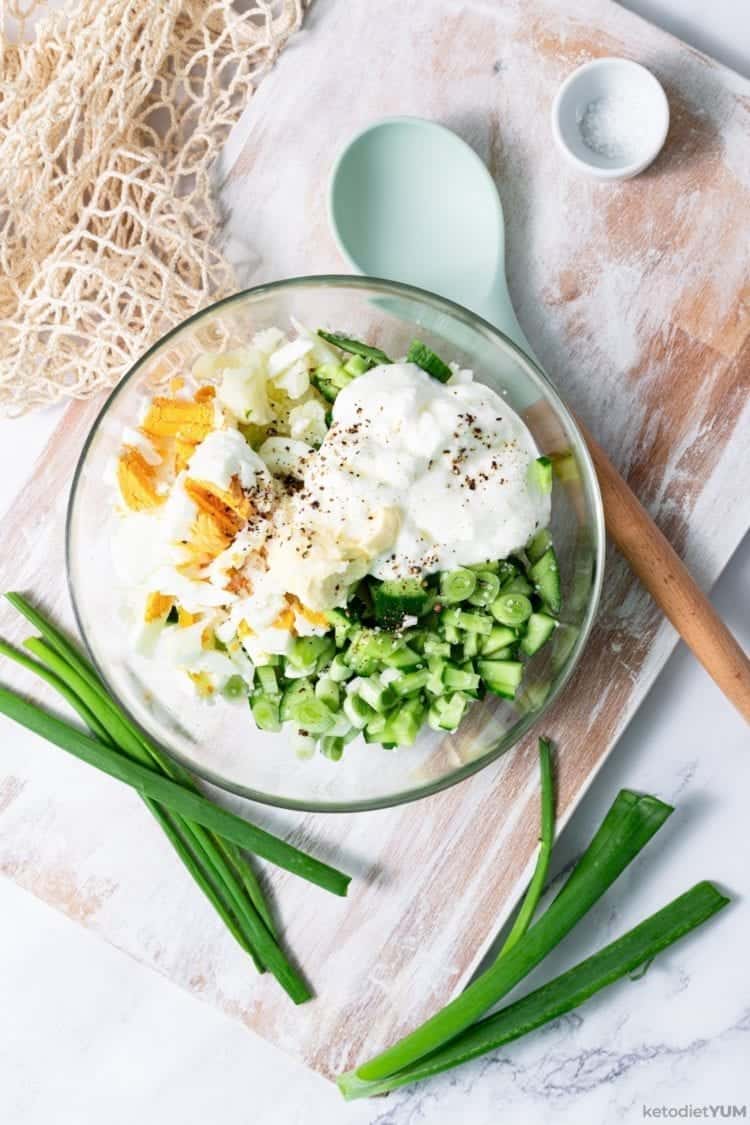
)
(111, 115)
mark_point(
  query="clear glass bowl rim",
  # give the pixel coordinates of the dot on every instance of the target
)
(383, 287)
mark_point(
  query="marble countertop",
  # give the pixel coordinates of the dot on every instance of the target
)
(87, 1035)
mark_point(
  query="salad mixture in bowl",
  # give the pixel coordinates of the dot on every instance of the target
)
(356, 544)
(334, 571)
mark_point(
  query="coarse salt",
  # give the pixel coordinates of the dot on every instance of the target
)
(613, 127)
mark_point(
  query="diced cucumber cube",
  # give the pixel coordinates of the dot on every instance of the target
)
(501, 676)
(446, 713)
(468, 622)
(538, 545)
(403, 725)
(395, 599)
(499, 638)
(411, 682)
(539, 628)
(545, 575)
(434, 646)
(459, 679)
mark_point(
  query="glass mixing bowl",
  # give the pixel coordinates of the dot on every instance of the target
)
(218, 740)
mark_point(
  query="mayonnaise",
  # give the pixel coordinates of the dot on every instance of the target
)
(424, 476)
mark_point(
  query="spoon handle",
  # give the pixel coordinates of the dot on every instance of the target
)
(667, 579)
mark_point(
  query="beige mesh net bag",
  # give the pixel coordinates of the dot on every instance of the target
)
(111, 115)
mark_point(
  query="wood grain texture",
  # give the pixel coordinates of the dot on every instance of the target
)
(636, 298)
(662, 572)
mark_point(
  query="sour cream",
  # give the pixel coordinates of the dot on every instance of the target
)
(425, 476)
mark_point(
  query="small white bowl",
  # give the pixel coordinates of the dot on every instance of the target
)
(610, 118)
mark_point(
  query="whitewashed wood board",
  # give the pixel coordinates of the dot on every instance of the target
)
(637, 299)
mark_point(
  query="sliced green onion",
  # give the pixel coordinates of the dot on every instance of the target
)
(311, 714)
(457, 585)
(487, 588)
(234, 688)
(511, 609)
(355, 347)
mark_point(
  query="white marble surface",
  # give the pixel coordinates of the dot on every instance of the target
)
(86, 1035)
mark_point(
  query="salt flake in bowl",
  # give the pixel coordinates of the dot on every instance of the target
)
(610, 118)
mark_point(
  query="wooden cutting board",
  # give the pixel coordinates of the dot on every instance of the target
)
(636, 298)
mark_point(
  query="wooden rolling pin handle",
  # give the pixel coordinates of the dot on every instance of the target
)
(667, 579)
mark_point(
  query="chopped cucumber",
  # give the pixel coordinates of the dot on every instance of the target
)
(541, 474)
(381, 676)
(501, 676)
(539, 629)
(317, 651)
(425, 358)
(434, 646)
(395, 599)
(518, 584)
(460, 679)
(368, 649)
(402, 656)
(411, 682)
(451, 635)
(538, 545)
(328, 389)
(447, 712)
(493, 566)
(545, 575)
(469, 622)
(435, 666)
(500, 637)
(357, 365)
(403, 725)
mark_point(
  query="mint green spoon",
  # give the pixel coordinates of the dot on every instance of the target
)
(410, 201)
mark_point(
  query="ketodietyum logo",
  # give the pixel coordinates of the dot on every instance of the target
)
(695, 1112)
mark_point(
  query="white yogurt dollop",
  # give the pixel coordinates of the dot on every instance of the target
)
(440, 472)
